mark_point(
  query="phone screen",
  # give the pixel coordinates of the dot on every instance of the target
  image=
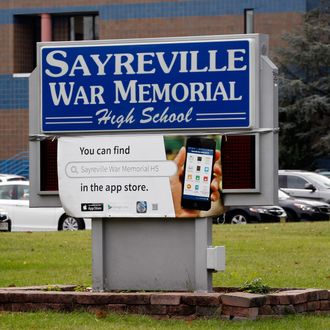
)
(198, 177)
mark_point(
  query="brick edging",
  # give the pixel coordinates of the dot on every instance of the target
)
(229, 305)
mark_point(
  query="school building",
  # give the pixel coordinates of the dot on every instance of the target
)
(24, 23)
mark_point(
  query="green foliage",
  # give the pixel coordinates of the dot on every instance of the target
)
(52, 288)
(82, 288)
(304, 92)
(255, 286)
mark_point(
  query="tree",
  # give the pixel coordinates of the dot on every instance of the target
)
(304, 92)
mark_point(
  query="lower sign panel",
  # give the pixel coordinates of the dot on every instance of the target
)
(139, 176)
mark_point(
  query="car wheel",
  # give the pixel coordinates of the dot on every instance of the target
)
(237, 218)
(8, 228)
(219, 220)
(70, 223)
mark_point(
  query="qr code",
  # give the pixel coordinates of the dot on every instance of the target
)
(154, 207)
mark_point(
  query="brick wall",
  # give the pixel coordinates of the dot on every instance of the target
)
(186, 305)
(13, 132)
(6, 54)
(275, 25)
(171, 27)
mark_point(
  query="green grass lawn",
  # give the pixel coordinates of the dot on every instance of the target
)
(84, 321)
(283, 255)
(45, 258)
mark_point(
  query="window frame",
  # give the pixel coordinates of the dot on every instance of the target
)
(94, 25)
(249, 20)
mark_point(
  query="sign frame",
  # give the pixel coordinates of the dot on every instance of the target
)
(196, 272)
(265, 126)
(254, 50)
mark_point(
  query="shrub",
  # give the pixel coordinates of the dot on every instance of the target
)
(255, 286)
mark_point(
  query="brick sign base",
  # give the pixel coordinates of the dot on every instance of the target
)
(228, 305)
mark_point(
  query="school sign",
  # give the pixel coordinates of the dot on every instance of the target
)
(170, 85)
(108, 110)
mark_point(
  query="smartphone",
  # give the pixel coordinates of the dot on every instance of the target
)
(198, 173)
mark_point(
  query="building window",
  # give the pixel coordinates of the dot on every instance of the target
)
(83, 27)
(26, 36)
(248, 21)
(27, 32)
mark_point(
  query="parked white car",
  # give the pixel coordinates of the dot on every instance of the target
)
(304, 184)
(12, 177)
(14, 199)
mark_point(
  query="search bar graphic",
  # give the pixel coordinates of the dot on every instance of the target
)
(102, 169)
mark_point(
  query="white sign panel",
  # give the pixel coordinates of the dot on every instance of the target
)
(101, 176)
(136, 176)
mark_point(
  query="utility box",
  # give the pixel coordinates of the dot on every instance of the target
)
(158, 254)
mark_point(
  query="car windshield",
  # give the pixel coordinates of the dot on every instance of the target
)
(320, 179)
(327, 174)
(283, 195)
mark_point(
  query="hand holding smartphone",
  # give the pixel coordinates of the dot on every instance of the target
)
(198, 173)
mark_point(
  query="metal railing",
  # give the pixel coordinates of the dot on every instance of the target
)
(18, 164)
